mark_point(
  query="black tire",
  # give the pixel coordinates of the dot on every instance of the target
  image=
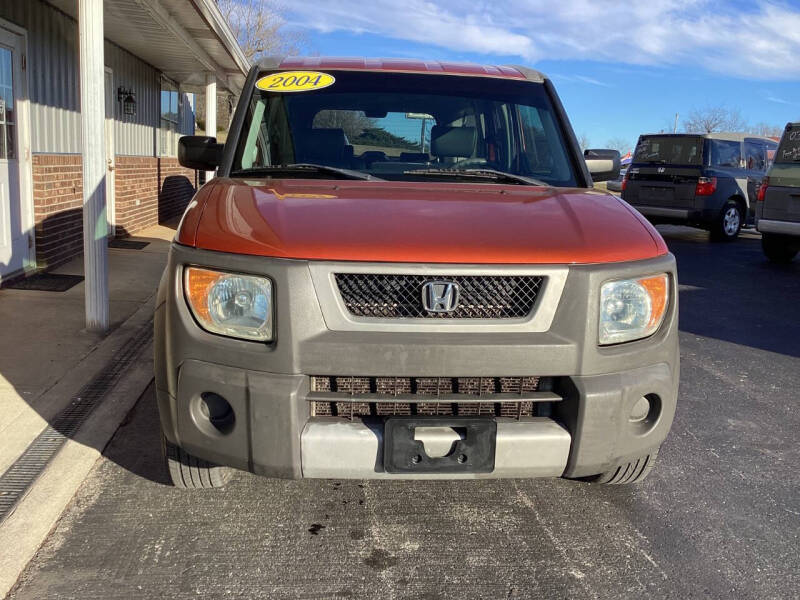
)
(728, 224)
(629, 472)
(191, 473)
(779, 249)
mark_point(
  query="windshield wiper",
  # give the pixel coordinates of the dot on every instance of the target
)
(479, 173)
(304, 168)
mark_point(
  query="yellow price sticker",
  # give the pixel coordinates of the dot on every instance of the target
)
(295, 81)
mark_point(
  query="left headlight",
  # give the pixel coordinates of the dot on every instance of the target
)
(230, 304)
(631, 309)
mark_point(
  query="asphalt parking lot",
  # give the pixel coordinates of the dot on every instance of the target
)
(719, 517)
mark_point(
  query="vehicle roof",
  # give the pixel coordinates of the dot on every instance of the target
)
(400, 65)
(732, 136)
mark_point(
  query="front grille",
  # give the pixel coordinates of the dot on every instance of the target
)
(400, 296)
(435, 396)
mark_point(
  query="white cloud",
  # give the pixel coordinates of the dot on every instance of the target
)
(591, 80)
(579, 79)
(762, 42)
(777, 100)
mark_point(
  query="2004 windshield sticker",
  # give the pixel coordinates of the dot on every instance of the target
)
(295, 81)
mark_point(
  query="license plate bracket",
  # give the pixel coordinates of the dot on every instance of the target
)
(474, 453)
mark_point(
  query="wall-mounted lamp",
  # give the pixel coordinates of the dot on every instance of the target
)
(128, 99)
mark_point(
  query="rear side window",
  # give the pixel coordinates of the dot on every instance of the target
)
(789, 148)
(755, 155)
(669, 150)
(406, 135)
(725, 153)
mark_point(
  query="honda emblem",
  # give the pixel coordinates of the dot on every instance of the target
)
(440, 296)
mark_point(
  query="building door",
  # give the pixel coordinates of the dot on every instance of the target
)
(110, 156)
(13, 240)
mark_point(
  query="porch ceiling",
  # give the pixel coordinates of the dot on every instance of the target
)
(185, 39)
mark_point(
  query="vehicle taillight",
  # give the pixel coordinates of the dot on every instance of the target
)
(762, 189)
(624, 182)
(705, 186)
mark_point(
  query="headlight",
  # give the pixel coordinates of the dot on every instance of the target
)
(631, 309)
(229, 304)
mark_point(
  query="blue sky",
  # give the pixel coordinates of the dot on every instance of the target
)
(621, 69)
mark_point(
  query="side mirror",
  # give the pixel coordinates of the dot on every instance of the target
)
(199, 152)
(603, 164)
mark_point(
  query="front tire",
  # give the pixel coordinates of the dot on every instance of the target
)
(779, 249)
(633, 471)
(189, 472)
(728, 224)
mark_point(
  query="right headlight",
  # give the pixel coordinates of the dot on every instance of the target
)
(631, 309)
(231, 304)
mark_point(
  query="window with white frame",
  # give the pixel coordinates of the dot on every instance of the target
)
(170, 118)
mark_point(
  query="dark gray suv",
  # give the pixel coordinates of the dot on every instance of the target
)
(778, 206)
(708, 181)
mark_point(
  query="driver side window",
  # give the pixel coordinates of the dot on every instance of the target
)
(539, 133)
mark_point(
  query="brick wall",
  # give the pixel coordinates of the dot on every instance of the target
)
(57, 207)
(147, 190)
(136, 188)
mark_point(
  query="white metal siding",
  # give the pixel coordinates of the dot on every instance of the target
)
(135, 134)
(52, 70)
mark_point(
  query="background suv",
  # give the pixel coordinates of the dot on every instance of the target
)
(707, 181)
(778, 206)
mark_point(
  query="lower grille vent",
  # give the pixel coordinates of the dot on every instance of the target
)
(351, 397)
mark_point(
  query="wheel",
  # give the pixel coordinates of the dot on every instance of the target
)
(628, 472)
(189, 472)
(779, 249)
(728, 224)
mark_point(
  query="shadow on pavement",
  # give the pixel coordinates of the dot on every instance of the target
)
(731, 292)
(143, 459)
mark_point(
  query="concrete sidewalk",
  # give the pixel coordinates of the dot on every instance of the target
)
(46, 357)
(44, 337)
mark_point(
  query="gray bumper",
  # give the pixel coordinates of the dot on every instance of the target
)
(274, 434)
(781, 227)
(331, 448)
(658, 211)
(267, 385)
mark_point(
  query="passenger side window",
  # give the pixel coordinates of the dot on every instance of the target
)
(755, 156)
(726, 153)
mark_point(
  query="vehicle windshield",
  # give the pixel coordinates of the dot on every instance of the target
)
(669, 150)
(408, 127)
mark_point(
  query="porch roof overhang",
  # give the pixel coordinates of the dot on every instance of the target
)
(184, 39)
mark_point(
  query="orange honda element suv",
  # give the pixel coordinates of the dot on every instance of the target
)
(401, 270)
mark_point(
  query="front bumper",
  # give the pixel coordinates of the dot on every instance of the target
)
(267, 385)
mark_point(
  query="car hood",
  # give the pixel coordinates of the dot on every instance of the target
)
(416, 222)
